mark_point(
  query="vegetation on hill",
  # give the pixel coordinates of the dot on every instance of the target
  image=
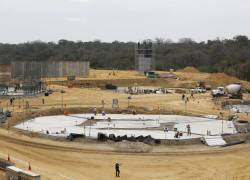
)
(231, 56)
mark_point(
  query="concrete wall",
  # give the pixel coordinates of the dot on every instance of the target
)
(25, 70)
(180, 141)
(77, 68)
(36, 70)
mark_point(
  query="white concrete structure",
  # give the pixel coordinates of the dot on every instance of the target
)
(130, 125)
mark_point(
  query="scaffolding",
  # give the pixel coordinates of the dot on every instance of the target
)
(145, 56)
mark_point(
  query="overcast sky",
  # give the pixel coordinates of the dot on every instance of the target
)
(123, 20)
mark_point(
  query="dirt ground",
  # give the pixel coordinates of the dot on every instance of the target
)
(64, 160)
(95, 74)
(188, 75)
(76, 161)
(201, 104)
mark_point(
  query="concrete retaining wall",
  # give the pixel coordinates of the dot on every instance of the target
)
(36, 70)
(181, 141)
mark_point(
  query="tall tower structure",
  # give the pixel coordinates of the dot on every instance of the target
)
(144, 56)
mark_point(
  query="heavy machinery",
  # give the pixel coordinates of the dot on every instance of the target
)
(198, 90)
(219, 91)
(234, 91)
(151, 74)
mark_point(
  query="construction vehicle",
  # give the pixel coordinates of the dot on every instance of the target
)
(151, 74)
(201, 84)
(234, 91)
(219, 91)
(198, 90)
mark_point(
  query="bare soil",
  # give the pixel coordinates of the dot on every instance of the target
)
(85, 160)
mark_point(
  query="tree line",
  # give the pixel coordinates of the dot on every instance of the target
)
(231, 56)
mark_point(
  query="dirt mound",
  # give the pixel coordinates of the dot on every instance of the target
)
(127, 146)
(221, 79)
(189, 69)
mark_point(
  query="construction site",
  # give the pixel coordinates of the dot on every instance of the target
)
(63, 120)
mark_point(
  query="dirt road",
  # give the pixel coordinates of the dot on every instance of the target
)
(60, 160)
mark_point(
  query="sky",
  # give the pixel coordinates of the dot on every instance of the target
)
(122, 20)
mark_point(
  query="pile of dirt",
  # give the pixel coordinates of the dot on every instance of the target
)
(189, 69)
(127, 146)
(221, 79)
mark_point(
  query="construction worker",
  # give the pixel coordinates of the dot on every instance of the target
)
(189, 130)
(103, 103)
(192, 94)
(95, 111)
(11, 101)
(183, 97)
(117, 169)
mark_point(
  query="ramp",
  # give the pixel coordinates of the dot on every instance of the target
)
(214, 140)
